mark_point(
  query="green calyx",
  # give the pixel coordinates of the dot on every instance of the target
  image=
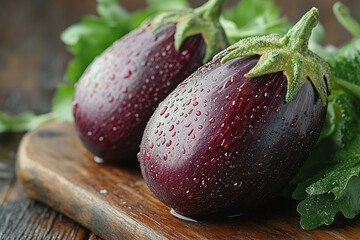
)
(203, 20)
(288, 54)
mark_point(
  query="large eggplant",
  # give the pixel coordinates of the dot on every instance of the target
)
(121, 88)
(234, 133)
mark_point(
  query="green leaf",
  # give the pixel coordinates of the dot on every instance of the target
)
(62, 103)
(346, 65)
(160, 5)
(253, 18)
(88, 39)
(317, 210)
(111, 12)
(23, 122)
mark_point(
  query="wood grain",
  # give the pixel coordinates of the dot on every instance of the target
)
(22, 217)
(115, 203)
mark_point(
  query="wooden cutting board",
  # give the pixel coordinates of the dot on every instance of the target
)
(115, 203)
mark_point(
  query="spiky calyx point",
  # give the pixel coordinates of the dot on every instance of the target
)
(288, 54)
(203, 20)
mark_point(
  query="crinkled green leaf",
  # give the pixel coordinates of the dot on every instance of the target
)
(317, 210)
(334, 181)
(342, 118)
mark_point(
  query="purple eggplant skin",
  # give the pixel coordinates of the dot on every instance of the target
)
(119, 91)
(221, 144)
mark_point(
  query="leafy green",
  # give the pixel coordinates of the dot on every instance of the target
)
(252, 18)
(23, 122)
(329, 180)
(321, 209)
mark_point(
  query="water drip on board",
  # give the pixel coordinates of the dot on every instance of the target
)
(98, 159)
(182, 217)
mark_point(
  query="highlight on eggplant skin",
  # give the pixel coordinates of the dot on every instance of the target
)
(221, 144)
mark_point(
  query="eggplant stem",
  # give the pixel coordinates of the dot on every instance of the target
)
(211, 10)
(288, 54)
(203, 20)
(298, 36)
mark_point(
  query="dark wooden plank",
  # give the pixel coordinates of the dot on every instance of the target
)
(25, 218)
(29, 219)
(115, 203)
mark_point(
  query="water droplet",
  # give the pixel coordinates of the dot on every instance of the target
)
(163, 110)
(111, 99)
(171, 128)
(190, 132)
(101, 138)
(98, 159)
(128, 74)
(189, 195)
(89, 133)
(212, 120)
(169, 143)
(195, 103)
(294, 122)
(237, 185)
(75, 106)
(126, 90)
(165, 157)
(103, 191)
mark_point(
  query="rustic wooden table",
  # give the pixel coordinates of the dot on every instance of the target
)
(32, 62)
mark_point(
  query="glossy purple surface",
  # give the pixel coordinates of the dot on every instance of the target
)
(122, 87)
(221, 144)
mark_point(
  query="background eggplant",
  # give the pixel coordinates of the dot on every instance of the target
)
(122, 87)
(234, 133)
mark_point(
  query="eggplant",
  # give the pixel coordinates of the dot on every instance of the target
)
(236, 131)
(121, 88)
